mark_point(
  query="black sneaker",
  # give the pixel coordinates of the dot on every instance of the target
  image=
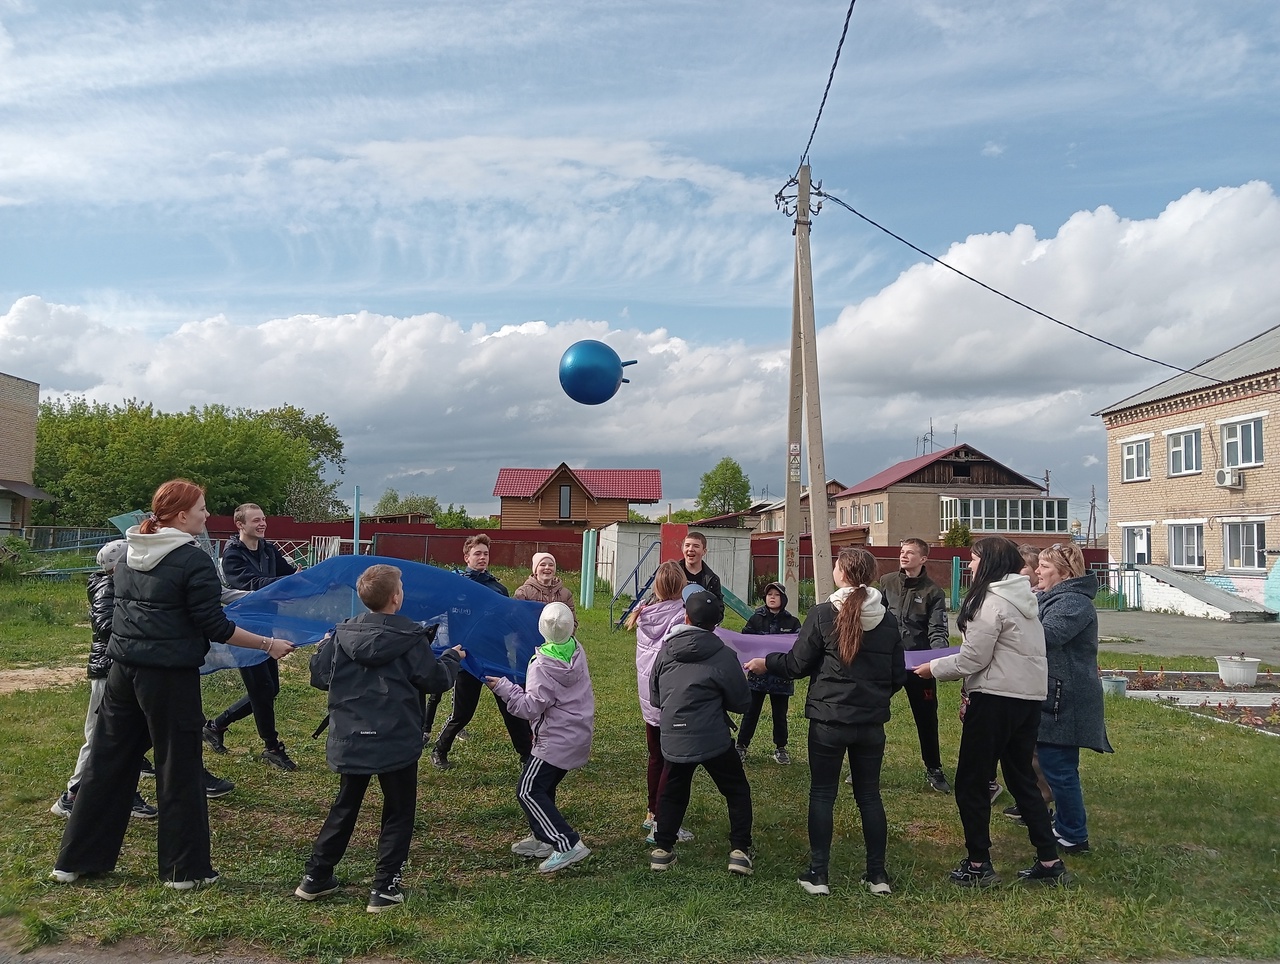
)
(148, 772)
(312, 889)
(937, 779)
(276, 756)
(1067, 847)
(814, 882)
(661, 859)
(1055, 875)
(1013, 813)
(969, 874)
(62, 806)
(877, 882)
(215, 787)
(213, 737)
(440, 760)
(782, 757)
(740, 863)
(142, 810)
(384, 898)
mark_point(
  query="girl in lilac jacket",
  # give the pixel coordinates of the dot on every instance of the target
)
(652, 622)
(557, 699)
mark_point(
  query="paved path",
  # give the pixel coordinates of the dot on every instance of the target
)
(1165, 635)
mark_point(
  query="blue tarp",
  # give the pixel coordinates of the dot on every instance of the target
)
(498, 634)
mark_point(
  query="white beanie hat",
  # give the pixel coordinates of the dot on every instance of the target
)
(556, 623)
(110, 555)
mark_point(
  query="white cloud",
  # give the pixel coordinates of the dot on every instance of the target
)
(1090, 460)
(992, 149)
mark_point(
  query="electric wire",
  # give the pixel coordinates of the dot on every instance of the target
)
(818, 192)
(804, 155)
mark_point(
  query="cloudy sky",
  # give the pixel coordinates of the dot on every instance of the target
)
(401, 214)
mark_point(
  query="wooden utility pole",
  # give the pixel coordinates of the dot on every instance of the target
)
(805, 401)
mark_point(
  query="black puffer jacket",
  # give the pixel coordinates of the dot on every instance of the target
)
(695, 679)
(246, 568)
(920, 607)
(376, 667)
(102, 603)
(839, 694)
(168, 602)
(487, 579)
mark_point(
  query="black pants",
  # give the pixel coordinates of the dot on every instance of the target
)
(433, 706)
(828, 746)
(466, 697)
(399, 801)
(922, 694)
(143, 707)
(536, 792)
(1003, 729)
(750, 719)
(730, 779)
(262, 686)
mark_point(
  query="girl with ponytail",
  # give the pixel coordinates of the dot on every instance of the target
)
(851, 649)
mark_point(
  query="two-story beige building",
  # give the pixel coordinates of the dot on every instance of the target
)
(19, 406)
(923, 497)
(1193, 470)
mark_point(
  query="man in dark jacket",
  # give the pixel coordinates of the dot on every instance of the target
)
(697, 572)
(466, 691)
(696, 681)
(376, 667)
(921, 610)
(251, 562)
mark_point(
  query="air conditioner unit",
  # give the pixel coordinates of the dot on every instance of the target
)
(1229, 479)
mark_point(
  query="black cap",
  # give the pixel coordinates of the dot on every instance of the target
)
(703, 608)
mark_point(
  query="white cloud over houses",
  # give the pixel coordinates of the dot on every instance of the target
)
(426, 403)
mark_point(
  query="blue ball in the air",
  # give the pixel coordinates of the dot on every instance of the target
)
(591, 372)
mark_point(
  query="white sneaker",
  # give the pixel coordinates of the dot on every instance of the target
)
(563, 858)
(532, 847)
(64, 876)
(191, 884)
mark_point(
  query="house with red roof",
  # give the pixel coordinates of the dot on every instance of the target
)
(923, 497)
(575, 499)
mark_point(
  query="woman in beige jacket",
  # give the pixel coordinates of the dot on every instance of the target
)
(1002, 660)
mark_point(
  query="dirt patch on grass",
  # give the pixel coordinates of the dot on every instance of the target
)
(16, 680)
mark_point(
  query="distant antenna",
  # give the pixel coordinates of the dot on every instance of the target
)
(1046, 481)
(1091, 532)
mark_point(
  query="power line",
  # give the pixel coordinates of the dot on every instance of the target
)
(804, 155)
(818, 192)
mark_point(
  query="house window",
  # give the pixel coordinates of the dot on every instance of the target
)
(844, 515)
(1245, 543)
(1137, 545)
(879, 511)
(1137, 461)
(1186, 547)
(1242, 444)
(1184, 453)
(566, 501)
(1006, 515)
(866, 514)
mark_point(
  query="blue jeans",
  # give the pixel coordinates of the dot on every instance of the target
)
(1061, 768)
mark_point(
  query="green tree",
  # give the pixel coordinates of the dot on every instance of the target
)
(724, 489)
(957, 536)
(392, 503)
(99, 460)
(634, 516)
(457, 518)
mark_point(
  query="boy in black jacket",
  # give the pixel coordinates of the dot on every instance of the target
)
(696, 679)
(770, 619)
(376, 667)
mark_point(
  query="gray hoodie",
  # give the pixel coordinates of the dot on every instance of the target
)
(1003, 650)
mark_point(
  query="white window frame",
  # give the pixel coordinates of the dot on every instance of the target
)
(1125, 527)
(1135, 460)
(1234, 441)
(866, 514)
(1178, 545)
(1252, 542)
(879, 512)
(1176, 444)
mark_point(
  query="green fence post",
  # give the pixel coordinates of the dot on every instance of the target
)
(955, 583)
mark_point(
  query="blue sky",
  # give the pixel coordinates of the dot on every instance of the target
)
(401, 214)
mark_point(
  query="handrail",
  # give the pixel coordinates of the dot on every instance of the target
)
(635, 596)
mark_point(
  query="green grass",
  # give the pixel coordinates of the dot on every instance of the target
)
(1182, 819)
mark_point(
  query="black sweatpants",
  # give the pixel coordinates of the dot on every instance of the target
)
(730, 779)
(143, 707)
(922, 694)
(466, 697)
(262, 686)
(399, 801)
(536, 792)
(1003, 729)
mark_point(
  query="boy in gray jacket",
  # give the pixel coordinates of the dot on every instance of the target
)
(696, 681)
